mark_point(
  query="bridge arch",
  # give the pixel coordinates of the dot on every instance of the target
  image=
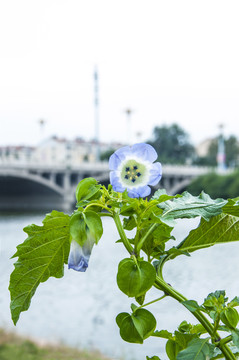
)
(28, 191)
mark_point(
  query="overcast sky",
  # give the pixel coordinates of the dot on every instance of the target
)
(169, 61)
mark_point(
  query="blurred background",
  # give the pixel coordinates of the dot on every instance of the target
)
(79, 79)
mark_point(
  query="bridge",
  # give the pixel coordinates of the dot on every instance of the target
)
(31, 186)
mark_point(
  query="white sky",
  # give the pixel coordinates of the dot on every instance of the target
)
(168, 60)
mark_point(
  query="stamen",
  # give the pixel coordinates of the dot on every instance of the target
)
(135, 167)
(126, 177)
(127, 169)
(138, 174)
(133, 180)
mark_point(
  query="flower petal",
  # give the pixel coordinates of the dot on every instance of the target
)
(145, 152)
(141, 191)
(79, 256)
(155, 173)
(117, 157)
(114, 180)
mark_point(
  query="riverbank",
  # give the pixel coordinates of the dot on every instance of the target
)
(14, 347)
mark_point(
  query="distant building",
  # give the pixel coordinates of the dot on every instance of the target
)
(72, 152)
(20, 154)
(56, 150)
(202, 149)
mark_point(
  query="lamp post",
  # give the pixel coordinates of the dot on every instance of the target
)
(221, 156)
(96, 106)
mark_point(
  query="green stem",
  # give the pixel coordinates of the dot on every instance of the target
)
(226, 340)
(122, 234)
(97, 204)
(105, 214)
(142, 240)
(151, 302)
(199, 316)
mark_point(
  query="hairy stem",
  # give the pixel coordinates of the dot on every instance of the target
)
(122, 234)
(169, 290)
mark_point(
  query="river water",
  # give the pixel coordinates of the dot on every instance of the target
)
(80, 308)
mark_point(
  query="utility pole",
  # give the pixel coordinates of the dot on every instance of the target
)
(221, 156)
(96, 114)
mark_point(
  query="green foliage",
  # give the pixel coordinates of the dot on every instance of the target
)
(188, 206)
(198, 349)
(219, 229)
(86, 225)
(216, 185)
(137, 327)
(43, 254)
(172, 144)
(87, 190)
(230, 317)
(150, 223)
(135, 278)
(231, 152)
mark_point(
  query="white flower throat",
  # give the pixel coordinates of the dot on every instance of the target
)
(133, 172)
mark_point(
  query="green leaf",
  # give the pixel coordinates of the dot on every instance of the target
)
(235, 337)
(234, 302)
(220, 229)
(137, 327)
(152, 358)
(161, 195)
(198, 349)
(173, 252)
(84, 225)
(183, 339)
(188, 206)
(129, 223)
(87, 189)
(165, 334)
(42, 255)
(172, 349)
(78, 228)
(230, 317)
(191, 305)
(134, 279)
(231, 208)
(93, 225)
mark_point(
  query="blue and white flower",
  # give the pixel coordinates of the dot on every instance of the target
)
(79, 255)
(133, 168)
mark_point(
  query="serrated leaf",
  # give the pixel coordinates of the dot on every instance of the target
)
(161, 195)
(198, 349)
(220, 229)
(189, 206)
(42, 255)
(231, 208)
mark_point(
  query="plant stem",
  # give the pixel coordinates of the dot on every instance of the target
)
(122, 234)
(141, 242)
(151, 302)
(169, 290)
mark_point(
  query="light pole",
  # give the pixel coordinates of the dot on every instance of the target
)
(97, 122)
(221, 156)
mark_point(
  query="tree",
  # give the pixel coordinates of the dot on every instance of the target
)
(231, 152)
(172, 144)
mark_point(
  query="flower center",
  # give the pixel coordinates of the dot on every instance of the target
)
(133, 173)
